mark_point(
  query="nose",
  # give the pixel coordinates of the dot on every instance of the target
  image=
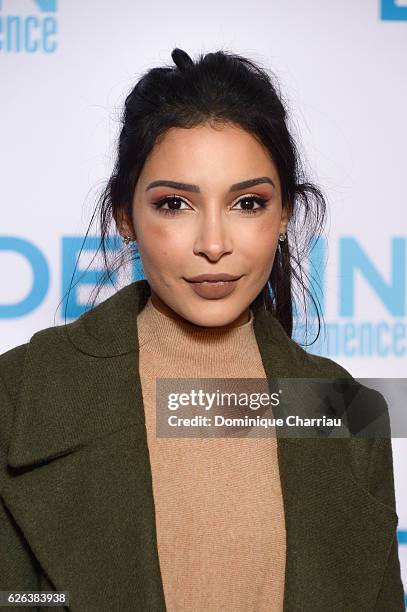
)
(213, 237)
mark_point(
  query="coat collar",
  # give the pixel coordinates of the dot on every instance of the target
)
(108, 330)
(79, 481)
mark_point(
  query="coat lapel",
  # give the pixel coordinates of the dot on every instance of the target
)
(80, 484)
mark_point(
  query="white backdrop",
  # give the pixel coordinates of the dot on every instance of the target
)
(66, 67)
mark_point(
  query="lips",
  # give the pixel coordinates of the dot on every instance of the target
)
(202, 278)
(218, 282)
(213, 290)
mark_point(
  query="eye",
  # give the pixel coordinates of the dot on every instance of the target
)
(248, 201)
(173, 202)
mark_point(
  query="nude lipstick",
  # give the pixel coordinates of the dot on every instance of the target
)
(213, 286)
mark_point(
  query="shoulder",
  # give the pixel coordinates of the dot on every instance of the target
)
(317, 365)
(44, 345)
(369, 450)
(12, 367)
(13, 360)
(11, 370)
(49, 340)
(370, 445)
(365, 409)
(328, 366)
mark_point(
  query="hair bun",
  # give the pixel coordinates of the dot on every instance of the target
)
(181, 59)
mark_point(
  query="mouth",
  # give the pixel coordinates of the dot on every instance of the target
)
(213, 278)
(213, 289)
(212, 282)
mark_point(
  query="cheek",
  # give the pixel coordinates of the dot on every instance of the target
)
(161, 244)
(259, 244)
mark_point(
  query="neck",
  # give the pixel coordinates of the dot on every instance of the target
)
(160, 305)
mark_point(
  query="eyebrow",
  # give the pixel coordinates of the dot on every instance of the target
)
(195, 188)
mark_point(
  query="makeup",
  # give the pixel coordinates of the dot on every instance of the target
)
(213, 290)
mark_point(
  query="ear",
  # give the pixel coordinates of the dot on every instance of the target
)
(124, 227)
(285, 217)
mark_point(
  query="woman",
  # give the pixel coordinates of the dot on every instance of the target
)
(207, 182)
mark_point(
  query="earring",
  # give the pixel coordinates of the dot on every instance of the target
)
(282, 237)
(127, 239)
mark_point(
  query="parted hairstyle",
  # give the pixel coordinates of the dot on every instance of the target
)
(218, 88)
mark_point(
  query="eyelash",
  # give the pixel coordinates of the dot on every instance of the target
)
(158, 205)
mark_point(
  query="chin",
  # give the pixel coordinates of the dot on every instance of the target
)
(211, 320)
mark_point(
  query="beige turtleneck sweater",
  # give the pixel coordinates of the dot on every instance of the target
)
(218, 502)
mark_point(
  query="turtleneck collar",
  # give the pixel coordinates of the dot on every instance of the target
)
(175, 336)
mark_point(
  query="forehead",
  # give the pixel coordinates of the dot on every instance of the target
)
(207, 150)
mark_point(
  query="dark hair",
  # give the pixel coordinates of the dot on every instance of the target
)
(219, 88)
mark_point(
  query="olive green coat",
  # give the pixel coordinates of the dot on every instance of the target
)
(76, 502)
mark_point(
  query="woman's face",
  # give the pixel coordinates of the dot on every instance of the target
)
(209, 222)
